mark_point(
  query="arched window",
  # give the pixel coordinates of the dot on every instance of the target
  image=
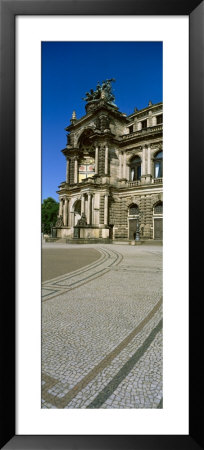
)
(133, 209)
(158, 208)
(158, 165)
(135, 168)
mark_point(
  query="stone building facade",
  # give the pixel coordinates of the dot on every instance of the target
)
(114, 172)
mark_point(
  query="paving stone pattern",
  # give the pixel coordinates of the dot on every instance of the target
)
(102, 332)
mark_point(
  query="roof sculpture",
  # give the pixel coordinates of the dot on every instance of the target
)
(103, 91)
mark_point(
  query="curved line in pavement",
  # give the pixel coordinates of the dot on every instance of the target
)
(62, 402)
(125, 370)
(64, 288)
(78, 271)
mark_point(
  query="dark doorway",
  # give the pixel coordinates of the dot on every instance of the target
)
(132, 228)
(158, 229)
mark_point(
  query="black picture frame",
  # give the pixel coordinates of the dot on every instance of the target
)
(9, 10)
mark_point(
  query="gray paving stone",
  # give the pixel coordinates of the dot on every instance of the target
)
(80, 327)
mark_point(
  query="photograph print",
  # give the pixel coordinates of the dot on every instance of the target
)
(102, 225)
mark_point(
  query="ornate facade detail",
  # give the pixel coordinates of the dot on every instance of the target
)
(112, 178)
(103, 91)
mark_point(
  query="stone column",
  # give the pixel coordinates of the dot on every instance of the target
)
(120, 165)
(96, 160)
(106, 160)
(72, 218)
(82, 203)
(67, 172)
(76, 170)
(68, 212)
(65, 213)
(143, 161)
(124, 165)
(154, 121)
(61, 207)
(149, 120)
(149, 161)
(106, 209)
(128, 176)
(89, 209)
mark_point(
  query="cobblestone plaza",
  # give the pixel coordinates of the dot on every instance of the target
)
(102, 328)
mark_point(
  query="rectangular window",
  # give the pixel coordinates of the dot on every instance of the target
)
(132, 174)
(159, 119)
(138, 172)
(144, 124)
(131, 129)
(158, 169)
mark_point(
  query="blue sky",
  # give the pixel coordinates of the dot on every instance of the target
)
(70, 69)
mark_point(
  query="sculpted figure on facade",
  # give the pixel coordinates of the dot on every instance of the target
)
(59, 222)
(82, 221)
(103, 91)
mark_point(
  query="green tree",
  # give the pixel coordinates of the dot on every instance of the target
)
(50, 210)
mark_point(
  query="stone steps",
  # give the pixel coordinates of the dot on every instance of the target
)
(58, 240)
(104, 241)
(88, 241)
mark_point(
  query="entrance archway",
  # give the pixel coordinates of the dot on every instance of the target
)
(133, 217)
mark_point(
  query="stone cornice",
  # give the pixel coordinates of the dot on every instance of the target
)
(105, 107)
(102, 107)
(142, 135)
(142, 188)
(147, 109)
(70, 152)
(125, 188)
(81, 188)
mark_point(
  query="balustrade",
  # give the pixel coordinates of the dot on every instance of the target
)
(134, 183)
(157, 180)
(143, 131)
